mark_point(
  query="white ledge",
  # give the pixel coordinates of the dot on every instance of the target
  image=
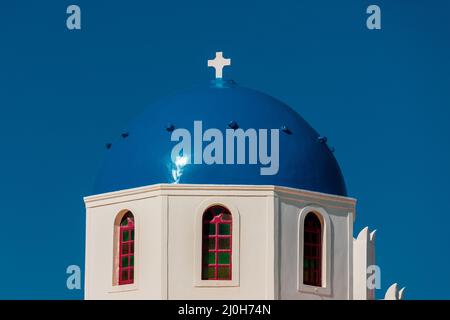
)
(163, 188)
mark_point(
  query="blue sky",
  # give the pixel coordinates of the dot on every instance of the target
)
(381, 97)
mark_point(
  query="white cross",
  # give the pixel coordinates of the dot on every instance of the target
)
(219, 63)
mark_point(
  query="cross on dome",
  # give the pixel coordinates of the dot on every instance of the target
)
(218, 63)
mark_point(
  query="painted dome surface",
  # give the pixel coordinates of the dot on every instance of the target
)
(144, 156)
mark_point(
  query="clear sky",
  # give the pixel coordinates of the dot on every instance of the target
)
(382, 98)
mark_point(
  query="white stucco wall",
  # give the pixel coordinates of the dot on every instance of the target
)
(100, 215)
(168, 235)
(252, 272)
(337, 257)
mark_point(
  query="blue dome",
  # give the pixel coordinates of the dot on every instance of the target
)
(144, 156)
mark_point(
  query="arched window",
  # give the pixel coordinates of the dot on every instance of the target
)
(125, 259)
(217, 243)
(312, 250)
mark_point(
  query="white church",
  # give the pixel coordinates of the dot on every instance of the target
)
(224, 192)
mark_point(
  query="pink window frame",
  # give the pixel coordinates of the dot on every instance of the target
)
(315, 247)
(217, 221)
(129, 269)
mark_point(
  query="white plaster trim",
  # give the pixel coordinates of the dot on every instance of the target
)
(185, 188)
(234, 282)
(271, 243)
(123, 288)
(165, 247)
(325, 289)
(87, 262)
(350, 256)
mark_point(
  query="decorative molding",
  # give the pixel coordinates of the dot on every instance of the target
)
(188, 189)
(165, 247)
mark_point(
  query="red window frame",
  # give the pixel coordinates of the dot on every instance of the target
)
(126, 249)
(312, 250)
(217, 236)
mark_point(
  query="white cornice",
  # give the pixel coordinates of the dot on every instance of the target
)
(189, 189)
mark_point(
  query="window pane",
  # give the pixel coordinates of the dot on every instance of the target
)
(205, 257)
(132, 247)
(204, 272)
(224, 273)
(211, 257)
(132, 261)
(224, 243)
(132, 234)
(208, 273)
(307, 251)
(125, 262)
(124, 274)
(211, 273)
(131, 274)
(210, 243)
(224, 229)
(224, 258)
(217, 210)
(125, 236)
(209, 229)
(306, 264)
(313, 251)
(125, 248)
(226, 217)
